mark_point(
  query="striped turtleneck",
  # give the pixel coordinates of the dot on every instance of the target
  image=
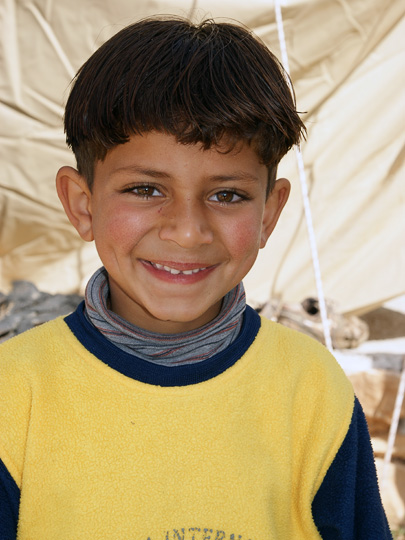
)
(165, 349)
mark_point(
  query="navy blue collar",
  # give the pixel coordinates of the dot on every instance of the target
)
(150, 373)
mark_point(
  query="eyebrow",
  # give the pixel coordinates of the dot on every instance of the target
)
(145, 171)
(237, 175)
(153, 173)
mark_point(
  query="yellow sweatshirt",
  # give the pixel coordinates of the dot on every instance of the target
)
(97, 454)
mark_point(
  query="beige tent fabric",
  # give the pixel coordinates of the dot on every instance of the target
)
(347, 64)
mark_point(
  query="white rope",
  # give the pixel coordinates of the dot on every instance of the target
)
(192, 10)
(394, 427)
(305, 197)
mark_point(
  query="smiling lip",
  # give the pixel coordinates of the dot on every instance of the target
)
(184, 271)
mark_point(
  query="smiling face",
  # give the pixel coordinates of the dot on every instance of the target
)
(176, 226)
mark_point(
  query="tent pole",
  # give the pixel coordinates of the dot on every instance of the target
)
(305, 197)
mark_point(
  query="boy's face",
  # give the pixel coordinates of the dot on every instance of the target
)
(175, 226)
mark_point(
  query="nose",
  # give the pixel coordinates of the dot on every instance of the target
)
(186, 223)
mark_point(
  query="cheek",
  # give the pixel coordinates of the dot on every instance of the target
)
(244, 239)
(119, 229)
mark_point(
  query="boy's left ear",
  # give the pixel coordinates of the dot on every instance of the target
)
(274, 205)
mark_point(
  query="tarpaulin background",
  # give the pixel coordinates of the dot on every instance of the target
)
(347, 64)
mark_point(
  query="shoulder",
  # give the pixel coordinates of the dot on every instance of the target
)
(302, 357)
(313, 388)
(36, 342)
(22, 355)
(26, 364)
(32, 359)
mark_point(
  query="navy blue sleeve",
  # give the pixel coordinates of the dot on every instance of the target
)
(9, 504)
(348, 505)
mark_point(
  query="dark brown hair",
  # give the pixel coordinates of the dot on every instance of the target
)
(199, 83)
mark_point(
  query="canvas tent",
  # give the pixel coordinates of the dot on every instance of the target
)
(347, 65)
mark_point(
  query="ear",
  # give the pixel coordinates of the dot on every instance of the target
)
(274, 205)
(75, 197)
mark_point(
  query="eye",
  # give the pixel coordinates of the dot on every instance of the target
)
(227, 197)
(146, 191)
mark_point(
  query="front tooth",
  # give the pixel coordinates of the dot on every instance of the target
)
(171, 270)
(175, 271)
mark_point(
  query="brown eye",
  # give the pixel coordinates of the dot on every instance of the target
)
(145, 191)
(227, 197)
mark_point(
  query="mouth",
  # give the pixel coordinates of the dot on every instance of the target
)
(184, 269)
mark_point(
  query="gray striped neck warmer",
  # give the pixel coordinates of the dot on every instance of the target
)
(165, 349)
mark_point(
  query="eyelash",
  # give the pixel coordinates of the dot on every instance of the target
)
(240, 197)
(152, 188)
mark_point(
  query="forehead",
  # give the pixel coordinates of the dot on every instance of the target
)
(162, 153)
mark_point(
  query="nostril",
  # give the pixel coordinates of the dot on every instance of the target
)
(186, 233)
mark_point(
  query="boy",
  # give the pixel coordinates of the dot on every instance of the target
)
(165, 408)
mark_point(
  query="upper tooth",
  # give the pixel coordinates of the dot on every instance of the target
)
(175, 271)
(171, 270)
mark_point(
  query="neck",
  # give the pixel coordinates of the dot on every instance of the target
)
(165, 349)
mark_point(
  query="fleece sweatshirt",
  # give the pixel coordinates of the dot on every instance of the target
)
(263, 441)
